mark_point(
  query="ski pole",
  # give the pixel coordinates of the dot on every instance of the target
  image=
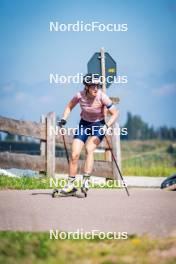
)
(117, 166)
(63, 137)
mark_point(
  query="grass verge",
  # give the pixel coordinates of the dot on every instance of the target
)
(23, 183)
(25, 247)
(30, 183)
(157, 171)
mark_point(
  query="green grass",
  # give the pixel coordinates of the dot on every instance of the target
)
(23, 183)
(146, 158)
(147, 153)
(141, 146)
(29, 183)
(25, 247)
(157, 171)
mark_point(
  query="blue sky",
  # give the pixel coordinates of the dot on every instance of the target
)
(29, 52)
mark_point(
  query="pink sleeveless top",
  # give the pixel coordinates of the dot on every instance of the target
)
(92, 109)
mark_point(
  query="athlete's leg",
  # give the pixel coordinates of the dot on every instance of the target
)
(91, 145)
(77, 146)
(73, 164)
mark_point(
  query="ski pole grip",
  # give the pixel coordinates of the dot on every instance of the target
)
(61, 122)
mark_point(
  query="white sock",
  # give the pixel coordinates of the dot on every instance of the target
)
(71, 179)
(86, 180)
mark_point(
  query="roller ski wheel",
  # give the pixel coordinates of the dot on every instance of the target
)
(55, 193)
(84, 191)
(75, 193)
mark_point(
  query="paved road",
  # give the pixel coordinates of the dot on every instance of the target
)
(131, 181)
(145, 211)
(143, 181)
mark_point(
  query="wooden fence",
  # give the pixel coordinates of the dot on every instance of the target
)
(47, 162)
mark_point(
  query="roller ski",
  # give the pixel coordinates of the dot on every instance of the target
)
(69, 190)
(75, 193)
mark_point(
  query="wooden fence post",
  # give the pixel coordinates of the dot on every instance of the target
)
(116, 150)
(43, 143)
(115, 139)
(115, 142)
(107, 155)
(50, 144)
(103, 69)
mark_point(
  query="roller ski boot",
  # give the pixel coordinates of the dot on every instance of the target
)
(86, 182)
(68, 190)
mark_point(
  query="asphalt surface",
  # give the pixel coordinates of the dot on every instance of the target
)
(143, 181)
(147, 210)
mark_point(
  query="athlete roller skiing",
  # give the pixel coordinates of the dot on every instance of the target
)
(91, 130)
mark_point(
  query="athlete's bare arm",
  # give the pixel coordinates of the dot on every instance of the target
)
(68, 109)
(114, 115)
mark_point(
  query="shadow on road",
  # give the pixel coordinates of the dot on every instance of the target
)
(50, 194)
(41, 193)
